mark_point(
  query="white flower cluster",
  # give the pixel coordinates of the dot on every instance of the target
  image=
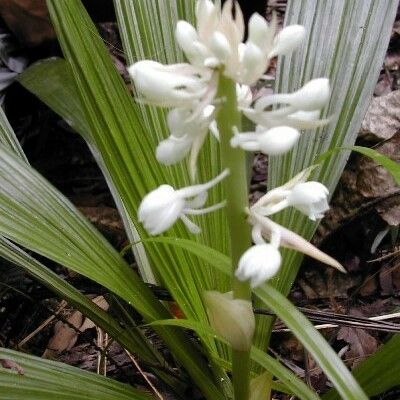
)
(262, 261)
(216, 45)
(213, 47)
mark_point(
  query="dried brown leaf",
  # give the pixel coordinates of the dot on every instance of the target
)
(382, 120)
(361, 343)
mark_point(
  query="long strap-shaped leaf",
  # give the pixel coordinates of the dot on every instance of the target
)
(346, 42)
(305, 332)
(127, 150)
(38, 217)
(7, 136)
(48, 380)
(130, 338)
(51, 80)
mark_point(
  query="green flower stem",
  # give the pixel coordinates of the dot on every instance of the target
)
(236, 191)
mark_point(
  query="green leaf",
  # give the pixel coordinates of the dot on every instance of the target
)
(52, 82)
(379, 373)
(313, 341)
(305, 332)
(8, 137)
(38, 217)
(121, 137)
(269, 363)
(130, 337)
(49, 380)
(391, 166)
(346, 42)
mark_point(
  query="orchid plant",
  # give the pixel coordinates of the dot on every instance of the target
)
(210, 93)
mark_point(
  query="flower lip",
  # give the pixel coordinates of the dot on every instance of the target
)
(278, 140)
(163, 206)
(259, 263)
(310, 198)
(160, 209)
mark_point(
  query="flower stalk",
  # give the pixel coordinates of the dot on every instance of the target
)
(236, 192)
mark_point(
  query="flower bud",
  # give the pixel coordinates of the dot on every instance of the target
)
(233, 319)
(259, 263)
(253, 63)
(220, 47)
(310, 198)
(185, 35)
(314, 95)
(160, 209)
(173, 149)
(258, 30)
(287, 40)
(278, 140)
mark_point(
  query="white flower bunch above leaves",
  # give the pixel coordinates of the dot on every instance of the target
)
(216, 46)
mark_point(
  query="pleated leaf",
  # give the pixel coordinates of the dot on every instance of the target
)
(127, 148)
(36, 216)
(52, 82)
(8, 137)
(346, 42)
(48, 380)
(312, 340)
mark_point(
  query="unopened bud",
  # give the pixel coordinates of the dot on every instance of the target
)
(258, 264)
(287, 40)
(233, 319)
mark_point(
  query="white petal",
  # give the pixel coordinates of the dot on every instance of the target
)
(259, 263)
(172, 150)
(279, 140)
(314, 95)
(258, 30)
(169, 85)
(253, 64)
(287, 40)
(185, 35)
(160, 209)
(220, 47)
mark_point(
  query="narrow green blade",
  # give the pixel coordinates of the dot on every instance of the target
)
(346, 42)
(47, 380)
(8, 137)
(38, 217)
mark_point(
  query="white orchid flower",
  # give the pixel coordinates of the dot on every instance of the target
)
(275, 232)
(273, 141)
(188, 131)
(300, 109)
(162, 207)
(177, 85)
(310, 198)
